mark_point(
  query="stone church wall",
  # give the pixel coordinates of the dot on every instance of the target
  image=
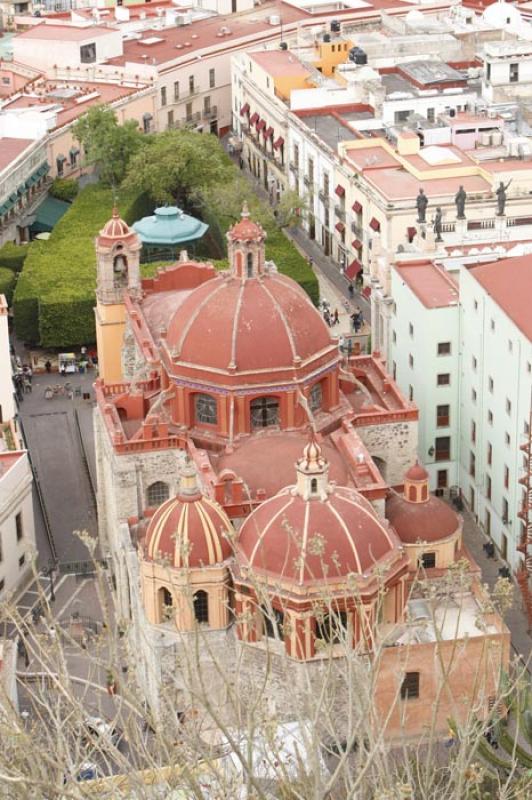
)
(394, 445)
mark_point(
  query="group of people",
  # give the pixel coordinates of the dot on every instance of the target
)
(331, 317)
(357, 319)
(22, 379)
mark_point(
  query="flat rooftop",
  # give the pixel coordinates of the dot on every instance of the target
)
(333, 127)
(431, 284)
(509, 283)
(279, 63)
(69, 100)
(11, 149)
(66, 33)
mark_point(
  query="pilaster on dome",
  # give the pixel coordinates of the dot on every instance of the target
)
(312, 471)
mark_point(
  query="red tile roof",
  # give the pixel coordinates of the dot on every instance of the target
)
(431, 284)
(509, 283)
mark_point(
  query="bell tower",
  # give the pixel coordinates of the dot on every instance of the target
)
(118, 271)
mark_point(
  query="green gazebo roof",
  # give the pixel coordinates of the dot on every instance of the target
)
(169, 226)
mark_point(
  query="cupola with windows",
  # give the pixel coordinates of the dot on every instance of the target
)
(184, 559)
(318, 545)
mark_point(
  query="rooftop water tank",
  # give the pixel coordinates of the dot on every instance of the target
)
(358, 56)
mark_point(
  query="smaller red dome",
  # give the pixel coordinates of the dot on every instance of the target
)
(304, 541)
(115, 228)
(191, 531)
(414, 522)
(417, 472)
(246, 230)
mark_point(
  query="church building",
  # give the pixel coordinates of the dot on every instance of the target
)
(254, 480)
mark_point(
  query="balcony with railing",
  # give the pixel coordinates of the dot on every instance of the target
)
(324, 196)
(293, 166)
(339, 211)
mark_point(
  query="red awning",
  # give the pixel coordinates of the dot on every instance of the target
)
(261, 124)
(357, 207)
(254, 118)
(411, 233)
(340, 191)
(268, 133)
(244, 109)
(356, 244)
(278, 143)
(366, 291)
(375, 224)
(353, 269)
(340, 227)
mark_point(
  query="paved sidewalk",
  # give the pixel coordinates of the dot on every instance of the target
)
(515, 618)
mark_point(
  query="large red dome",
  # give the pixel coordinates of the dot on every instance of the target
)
(303, 541)
(266, 323)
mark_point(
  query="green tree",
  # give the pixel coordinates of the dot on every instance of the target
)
(291, 209)
(174, 166)
(227, 199)
(108, 145)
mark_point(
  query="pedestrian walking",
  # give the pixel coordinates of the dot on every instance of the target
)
(327, 317)
(336, 317)
(351, 290)
(26, 384)
(48, 366)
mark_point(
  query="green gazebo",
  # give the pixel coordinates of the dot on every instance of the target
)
(167, 232)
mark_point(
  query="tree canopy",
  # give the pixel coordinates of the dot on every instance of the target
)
(108, 145)
(176, 165)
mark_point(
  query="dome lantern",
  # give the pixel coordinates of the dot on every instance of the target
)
(312, 472)
(416, 487)
(245, 245)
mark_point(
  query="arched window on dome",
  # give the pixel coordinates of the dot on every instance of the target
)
(205, 409)
(314, 485)
(273, 621)
(332, 628)
(412, 493)
(119, 268)
(264, 412)
(157, 493)
(249, 265)
(316, 397)
(201, 606)
(166, 604)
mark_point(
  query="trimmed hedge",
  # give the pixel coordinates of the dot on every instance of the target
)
(12, 256)
(7, 283)
(54, 297)
(65, 189)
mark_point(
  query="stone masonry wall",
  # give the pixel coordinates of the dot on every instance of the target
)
(395, 444)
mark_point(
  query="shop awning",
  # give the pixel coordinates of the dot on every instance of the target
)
(21, 189)
(375, 224)
(357, 207)
(268, 133)
(356, 244)
(340, 191)
(13, 197)
(278, 143)
(340, 227)
(353, 269)
(411, 233)
(4, 208)
(48, 214)
(366, 291)
(244, 109)
(261, 124)
(254, 118)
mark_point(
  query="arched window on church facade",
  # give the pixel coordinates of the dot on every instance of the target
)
(119, 268)
(205, 409)
(249, 261)
(316, 397)
(157, 493)
(201, 606)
